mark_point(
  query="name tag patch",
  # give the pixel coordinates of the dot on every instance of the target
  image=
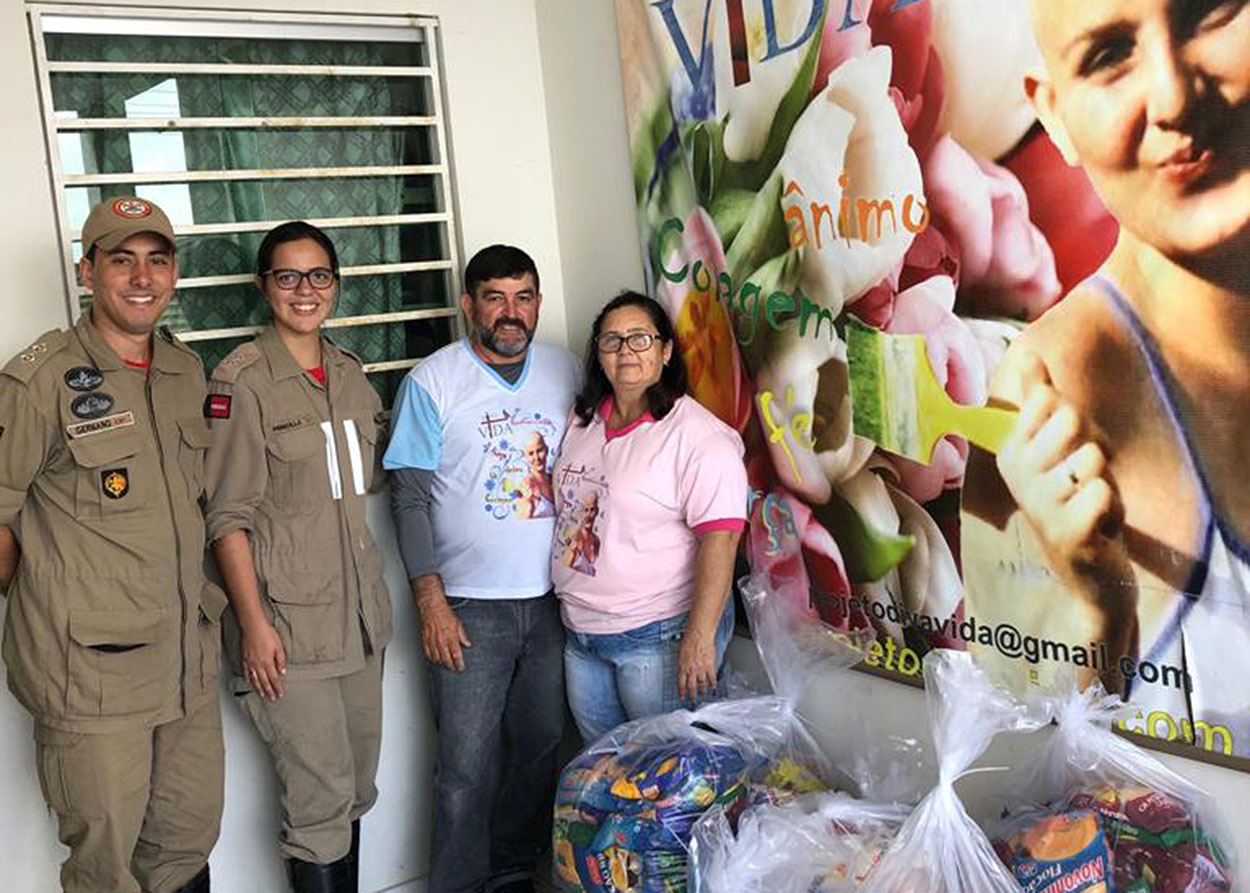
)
(99, 426)
(217, 406)
(116, 482)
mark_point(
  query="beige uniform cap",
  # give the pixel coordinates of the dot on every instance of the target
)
(117, 219)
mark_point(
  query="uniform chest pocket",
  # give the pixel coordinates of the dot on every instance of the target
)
(195, 437)
(111, 476)
(299, 474)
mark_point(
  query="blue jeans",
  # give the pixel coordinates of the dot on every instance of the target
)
(499, 723)
(617, 677)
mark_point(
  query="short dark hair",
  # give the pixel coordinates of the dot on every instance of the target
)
(595, 385)
(498, 262)
(292, 231)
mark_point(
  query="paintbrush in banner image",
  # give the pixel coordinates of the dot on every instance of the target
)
(899, 404)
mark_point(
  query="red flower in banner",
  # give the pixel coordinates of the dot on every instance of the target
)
(802, 562)
(917, 73)
(1064, 206)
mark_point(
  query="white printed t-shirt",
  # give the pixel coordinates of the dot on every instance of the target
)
(491, 510)
(631, 503)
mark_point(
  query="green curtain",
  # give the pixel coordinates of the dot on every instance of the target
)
(93, 95)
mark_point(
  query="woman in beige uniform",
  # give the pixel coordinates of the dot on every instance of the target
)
(295, 435)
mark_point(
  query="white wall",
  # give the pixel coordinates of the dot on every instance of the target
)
(498, 127)
(594, 191)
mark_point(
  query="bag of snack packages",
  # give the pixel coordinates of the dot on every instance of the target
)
(939, 848)
(816, 843)
(1104, 815)
(626, 806)
(785, 840)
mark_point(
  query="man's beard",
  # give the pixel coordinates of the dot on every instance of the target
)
(486, 337)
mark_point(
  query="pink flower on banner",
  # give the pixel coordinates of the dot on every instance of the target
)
(930, 255)
(917, 76)
(1062, 203)
(1006, 266)
(959, 366)
(704, 330)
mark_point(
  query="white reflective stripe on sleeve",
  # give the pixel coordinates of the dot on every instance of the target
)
(332, 461)
(353, 453)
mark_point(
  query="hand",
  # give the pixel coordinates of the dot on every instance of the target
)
(442, 635)
(1058, 475)
(696, 665)
(264, 661)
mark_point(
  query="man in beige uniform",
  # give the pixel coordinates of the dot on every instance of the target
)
(111, 638)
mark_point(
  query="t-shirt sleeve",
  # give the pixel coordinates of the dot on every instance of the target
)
(416, 430)
(26, 439)
(713, 483)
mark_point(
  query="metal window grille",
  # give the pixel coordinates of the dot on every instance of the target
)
(236, 121)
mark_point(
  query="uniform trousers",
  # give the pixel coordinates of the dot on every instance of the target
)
(499, 723)
(324, 736)
(139, 809)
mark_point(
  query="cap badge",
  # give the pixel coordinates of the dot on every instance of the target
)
(133, 208)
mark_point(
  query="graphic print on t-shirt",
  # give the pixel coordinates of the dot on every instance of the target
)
(583, 512)
(518, 449)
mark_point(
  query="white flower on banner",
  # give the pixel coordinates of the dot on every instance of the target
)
(775, 56)
(928, 577)
(851, 185)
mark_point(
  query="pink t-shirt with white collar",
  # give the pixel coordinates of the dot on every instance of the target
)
(630, 504)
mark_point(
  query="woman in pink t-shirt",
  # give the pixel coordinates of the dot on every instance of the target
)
(651, 496)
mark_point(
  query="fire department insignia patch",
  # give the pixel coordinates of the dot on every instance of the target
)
(116, 482)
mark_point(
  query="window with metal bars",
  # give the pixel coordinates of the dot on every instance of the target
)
(234, 122)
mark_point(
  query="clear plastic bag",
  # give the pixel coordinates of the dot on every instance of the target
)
(1104, 812)
(940, 849)
(818, 843)
(807, 663)
(625, 807)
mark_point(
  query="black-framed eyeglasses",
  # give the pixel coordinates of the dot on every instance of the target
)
(289, 280)
(638, 342)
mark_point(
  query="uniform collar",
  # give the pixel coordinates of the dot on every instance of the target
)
(167, 356)
(283, 364)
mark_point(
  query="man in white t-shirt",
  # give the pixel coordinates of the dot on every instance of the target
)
(471, 423)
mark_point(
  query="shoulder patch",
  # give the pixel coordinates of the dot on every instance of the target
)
(239, 359)
(27, 362)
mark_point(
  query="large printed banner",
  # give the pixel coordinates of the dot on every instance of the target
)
(967, 275)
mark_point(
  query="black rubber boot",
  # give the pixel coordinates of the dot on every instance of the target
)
(353, 860)
(197, 884)
(310, 877)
